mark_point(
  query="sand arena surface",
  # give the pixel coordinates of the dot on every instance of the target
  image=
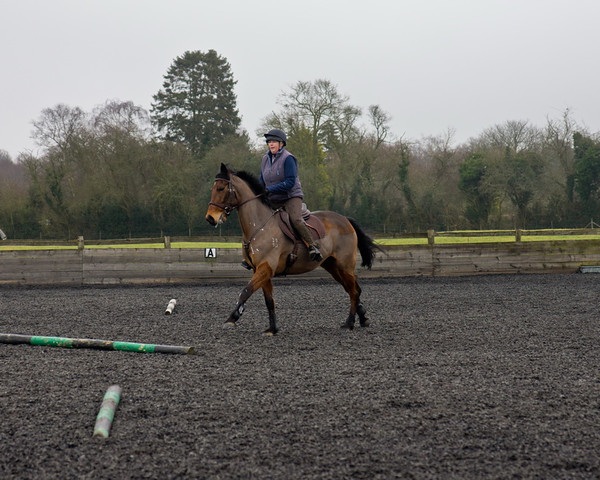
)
(470, 377)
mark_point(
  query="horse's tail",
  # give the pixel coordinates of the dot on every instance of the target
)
(366, 245)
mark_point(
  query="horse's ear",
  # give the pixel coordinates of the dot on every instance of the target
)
(224, 173)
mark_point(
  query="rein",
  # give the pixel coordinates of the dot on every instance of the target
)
(230, 208)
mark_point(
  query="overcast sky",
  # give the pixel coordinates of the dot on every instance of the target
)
(433, 65)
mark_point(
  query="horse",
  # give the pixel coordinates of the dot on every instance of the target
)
(270, 252)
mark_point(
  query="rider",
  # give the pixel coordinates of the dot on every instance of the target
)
(279, 176)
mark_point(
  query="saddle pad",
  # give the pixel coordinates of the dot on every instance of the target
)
(315, 226)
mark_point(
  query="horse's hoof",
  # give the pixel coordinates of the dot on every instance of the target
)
(347, 326)
(228, 325)
(365, 323)
(270, 333)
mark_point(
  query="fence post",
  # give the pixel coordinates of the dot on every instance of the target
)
(431, 237)
(80, 243)
(167, 242)
(518, 235)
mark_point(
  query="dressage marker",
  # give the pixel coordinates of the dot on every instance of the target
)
(93, 343)
(106, 414)
(171, 306)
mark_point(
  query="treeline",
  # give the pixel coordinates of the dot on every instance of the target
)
(120, 171)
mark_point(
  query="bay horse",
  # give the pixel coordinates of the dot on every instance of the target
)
(268, 250)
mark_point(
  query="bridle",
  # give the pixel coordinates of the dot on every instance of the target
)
(230, 206)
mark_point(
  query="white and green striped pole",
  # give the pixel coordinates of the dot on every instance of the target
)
(105, 417)
(66, 342)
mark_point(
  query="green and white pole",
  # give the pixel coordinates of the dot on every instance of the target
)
(93, 343)
(106, 415)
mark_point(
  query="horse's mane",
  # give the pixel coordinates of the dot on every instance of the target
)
(254, 184)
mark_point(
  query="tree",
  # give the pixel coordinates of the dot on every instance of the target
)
(319, 121)
(13, 195)
(174, 188)
(515, 167)
(197, 104)
(558, 146)
(124, 168)
(56, 176)
(58, 127)
(380, 121)
(95, 173)
(516, 135)
(519, 176)
(472, 182)
(125, 117)
(317, 107)
(587, 173)
(434, 177)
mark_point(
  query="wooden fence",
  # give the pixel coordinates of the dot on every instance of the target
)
(85, 266)
(517, 234)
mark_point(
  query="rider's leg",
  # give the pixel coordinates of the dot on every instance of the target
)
(294, 208)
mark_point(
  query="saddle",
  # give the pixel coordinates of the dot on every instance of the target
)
(314, 224)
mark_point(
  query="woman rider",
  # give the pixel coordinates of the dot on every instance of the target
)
(279, 176)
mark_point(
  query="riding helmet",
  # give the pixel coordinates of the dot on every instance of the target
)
(276, 134)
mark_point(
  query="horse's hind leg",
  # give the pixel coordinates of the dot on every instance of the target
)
(362, 315)
(360, 308)
(348, 280)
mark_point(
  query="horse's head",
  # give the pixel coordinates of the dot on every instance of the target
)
(223, 199)
(230, 191)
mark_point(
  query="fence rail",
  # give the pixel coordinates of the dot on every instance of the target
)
(431, 235)
(91, 266)
(518, 234)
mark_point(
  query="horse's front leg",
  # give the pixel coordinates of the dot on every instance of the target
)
(270, 302)
(261, 275)
(240, 305)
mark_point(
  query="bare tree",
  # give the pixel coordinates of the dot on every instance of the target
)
(516, 135)
(125, 116)
(57, 127)
(317, 106)
(558, 143)
(380, 121)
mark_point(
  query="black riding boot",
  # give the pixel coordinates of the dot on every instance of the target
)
(313, 251)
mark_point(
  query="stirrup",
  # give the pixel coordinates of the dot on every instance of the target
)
(246, 265)
(314, 254)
